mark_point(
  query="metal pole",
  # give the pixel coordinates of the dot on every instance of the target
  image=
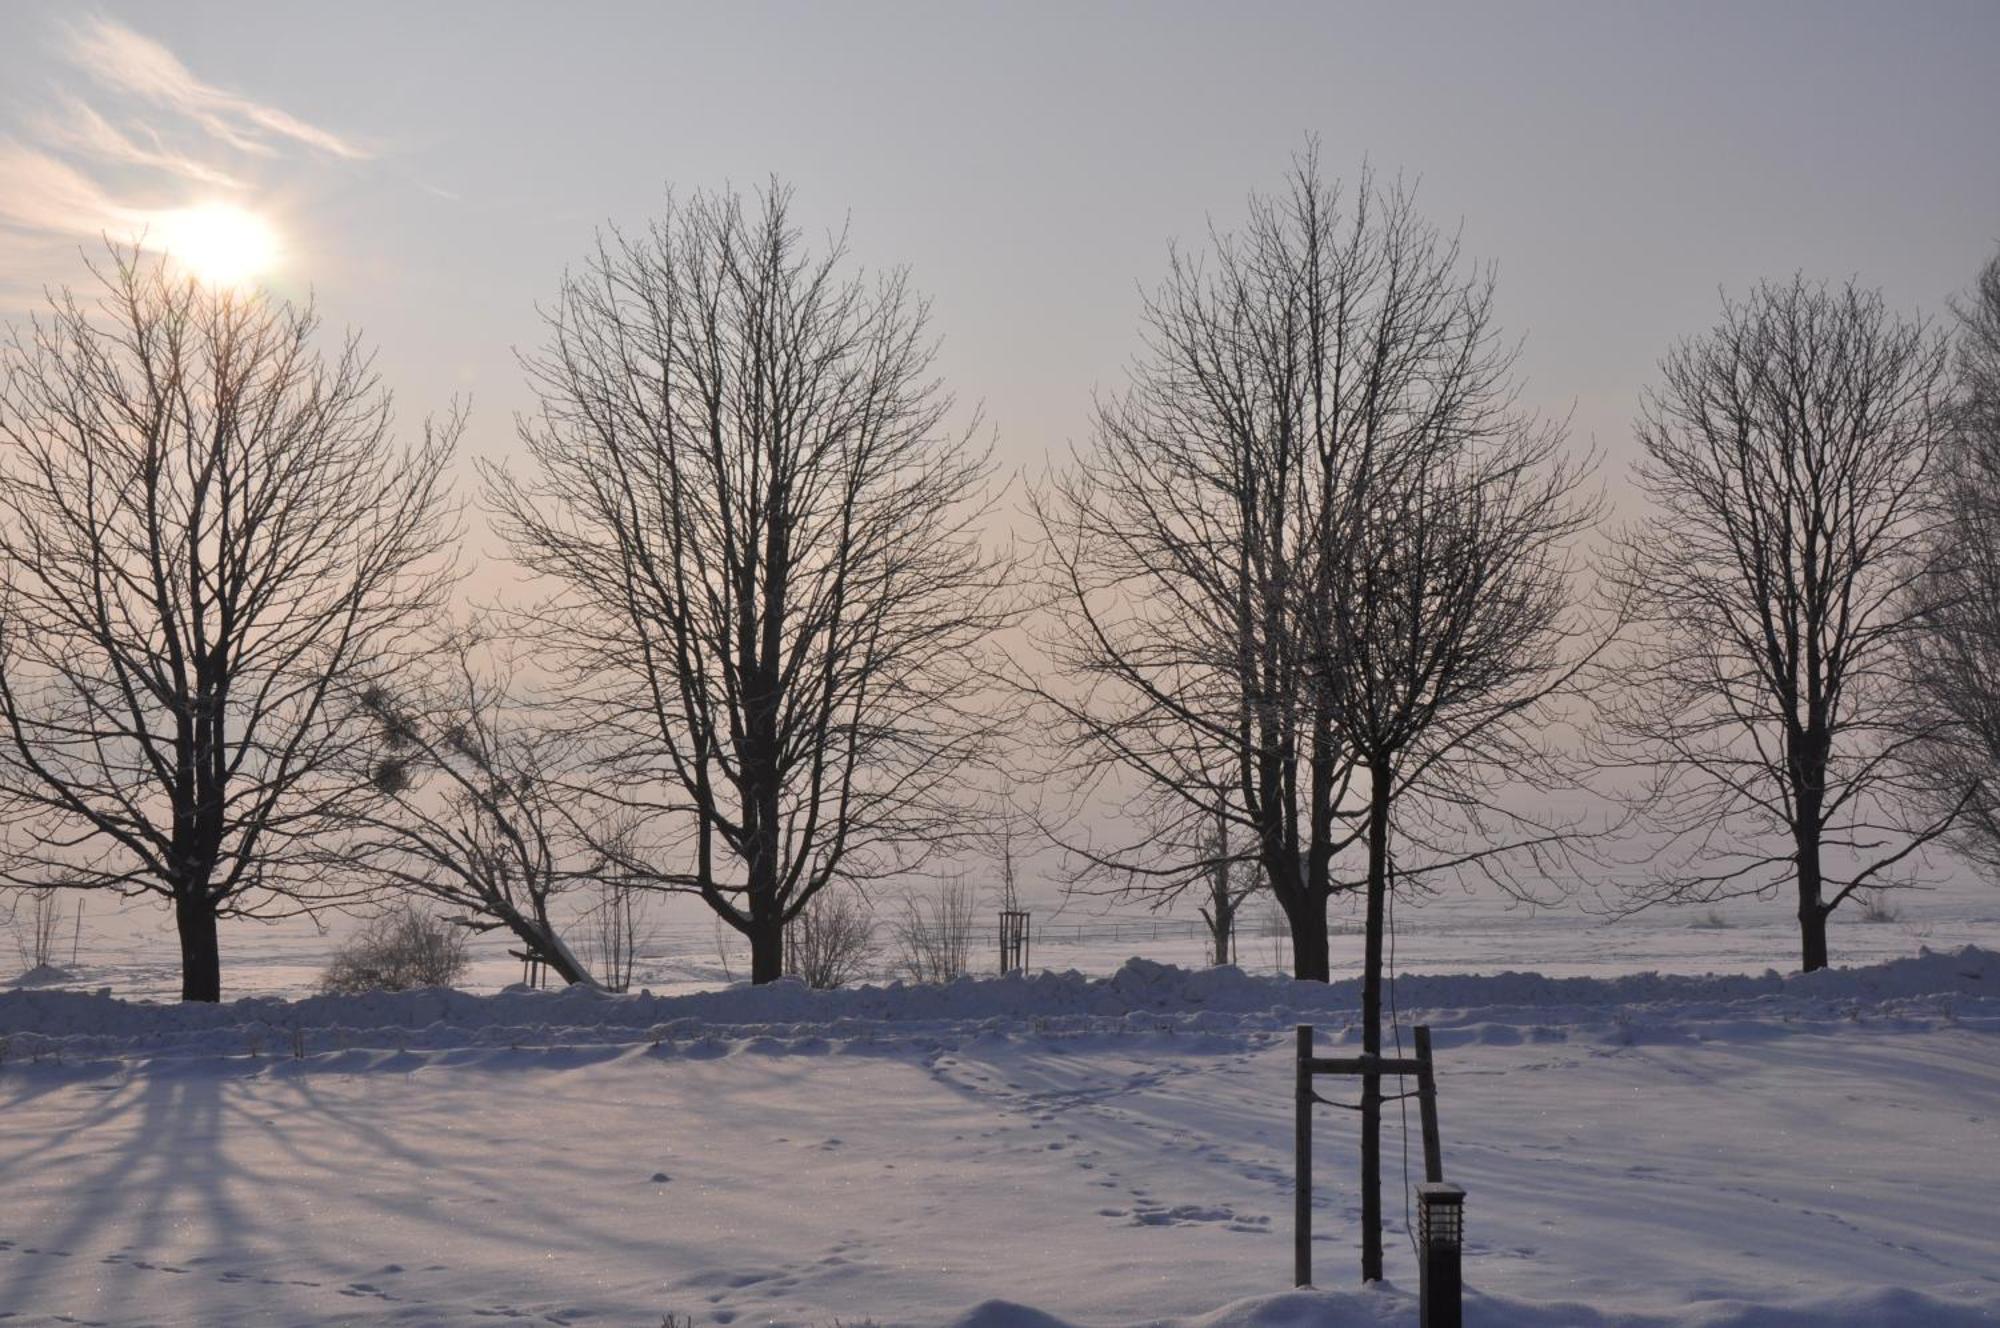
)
(1302, 1161)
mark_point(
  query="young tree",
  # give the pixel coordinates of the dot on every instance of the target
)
(204, 527)
(1230, 881)
(933, 934)
(1789, 458)
(617, 930)
(773, 595)
(1954, 659)
(1446, 624)
(36, 933)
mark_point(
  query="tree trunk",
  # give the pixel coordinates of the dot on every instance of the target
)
(767, 949)
(201, 957)
(540, 940)
(1812, 913)
(1371, 1021)
(1306, 911)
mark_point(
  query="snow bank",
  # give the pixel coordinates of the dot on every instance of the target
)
(1386, 1305)
(1961, 987)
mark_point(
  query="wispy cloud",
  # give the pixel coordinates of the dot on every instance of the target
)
(127, 62)
(39, 193)
(76, 126)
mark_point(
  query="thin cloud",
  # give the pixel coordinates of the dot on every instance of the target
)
(77, 127)
(122, 60)
(38, 192)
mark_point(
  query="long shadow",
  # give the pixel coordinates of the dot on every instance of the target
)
(166, 1188)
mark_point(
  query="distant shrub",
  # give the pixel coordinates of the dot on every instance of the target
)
(831, 943)
(1879, 907)
(397, 951)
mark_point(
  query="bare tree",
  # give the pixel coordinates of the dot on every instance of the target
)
(773, 593)
(204, 526)
(1006, 837)
(1789, 459)
(1189, 551)
(1954, 659)
(473, 811)
(1231, 881)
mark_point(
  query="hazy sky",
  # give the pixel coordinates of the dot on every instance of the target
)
(430, 169)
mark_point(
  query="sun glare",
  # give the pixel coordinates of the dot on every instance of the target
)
(219, 243)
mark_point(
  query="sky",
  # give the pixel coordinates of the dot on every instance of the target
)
(427, 172)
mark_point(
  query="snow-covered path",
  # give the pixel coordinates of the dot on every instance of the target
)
(1831, 1146)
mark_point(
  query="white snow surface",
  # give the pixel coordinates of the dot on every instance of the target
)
(1648, 1151)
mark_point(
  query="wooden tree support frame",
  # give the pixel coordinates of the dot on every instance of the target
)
(1309, 1068)
(1014, 941)
(533, 968)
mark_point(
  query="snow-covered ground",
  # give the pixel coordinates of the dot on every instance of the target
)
(1643, 1150)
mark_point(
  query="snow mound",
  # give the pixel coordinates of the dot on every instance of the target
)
(44, 975)
(1387, 1305)
(1961, 988)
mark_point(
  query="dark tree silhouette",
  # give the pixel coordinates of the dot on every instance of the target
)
(204, 528)
(1190, 552)
(1954, 659)
(1789, 458)
(773, 598)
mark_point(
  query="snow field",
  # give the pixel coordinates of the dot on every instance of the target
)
(1665, 1152)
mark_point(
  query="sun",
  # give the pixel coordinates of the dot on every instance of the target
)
(220, 244)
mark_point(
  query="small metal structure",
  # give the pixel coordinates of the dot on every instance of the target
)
(1440, 1243)
(1443, 1209)
(1013, 940)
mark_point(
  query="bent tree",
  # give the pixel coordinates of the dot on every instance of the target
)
(1788, 455)
(771, 597)
(204, 526)
(473, 812)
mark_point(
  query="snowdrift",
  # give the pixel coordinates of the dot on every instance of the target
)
(1961, 987)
